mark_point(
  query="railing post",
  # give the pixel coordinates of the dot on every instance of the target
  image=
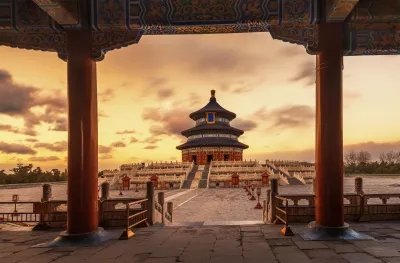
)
(358, 185)
(105, 191)
(362, 207)
(47, 193)
(267, 206)
(161, 202)
(42, 225)
(272, 201)
(127, 234)
(150, 204)
(170, 208)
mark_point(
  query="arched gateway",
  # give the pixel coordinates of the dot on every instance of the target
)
(212, 139)
(81, 31)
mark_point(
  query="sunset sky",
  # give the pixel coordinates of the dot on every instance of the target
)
(146, 92)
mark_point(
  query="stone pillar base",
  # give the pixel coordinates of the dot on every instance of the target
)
(69, 240)
(322, 233)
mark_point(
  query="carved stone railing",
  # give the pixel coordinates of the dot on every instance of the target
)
(385, 207)
(357, 206)
(299, 177)
(225, 181)
(53, 213)
(283, 178)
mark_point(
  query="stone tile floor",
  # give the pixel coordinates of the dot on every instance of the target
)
(206, 243)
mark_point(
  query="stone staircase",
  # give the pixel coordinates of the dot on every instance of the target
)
(291, 179)
(294, 181)
(188, 182)
(204, 177)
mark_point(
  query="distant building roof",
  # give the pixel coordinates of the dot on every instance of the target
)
(212, 106)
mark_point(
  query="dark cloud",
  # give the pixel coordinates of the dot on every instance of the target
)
(9, 128)
(18, 101)
(104, 149)
(106, 95)
(60, 124)
(374, 148)
(31, 140)
(193, 99)
(293, 116)
(133, 140)
(165, 93)
(245, 125)
(118, 144)
(102, 114)
(105, 156)
(168, 122)
(151, 140)
(9, 148)
(150, 147)
(158, 86)
(261, 114)
(306, 74)
(126, 132)
(44, 159)
(153, 114)
(5, 76)
(55, 147)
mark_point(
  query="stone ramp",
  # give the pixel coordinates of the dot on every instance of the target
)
(204, 177)
(188, 182)
(294, 181)
(210, 243)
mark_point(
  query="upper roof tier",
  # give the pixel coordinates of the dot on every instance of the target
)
(212, 106)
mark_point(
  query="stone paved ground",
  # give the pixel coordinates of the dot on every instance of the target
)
(218, 205)
(220, 244)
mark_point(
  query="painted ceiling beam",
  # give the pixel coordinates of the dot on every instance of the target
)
(64, 12)
(339, 10)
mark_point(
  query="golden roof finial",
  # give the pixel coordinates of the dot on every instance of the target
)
(212, 93)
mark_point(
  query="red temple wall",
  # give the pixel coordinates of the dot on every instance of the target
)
(201, 156)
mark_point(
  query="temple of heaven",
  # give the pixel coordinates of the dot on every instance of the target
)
(213, 138)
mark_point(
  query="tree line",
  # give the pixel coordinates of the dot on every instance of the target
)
(23, 174)
(361, 162)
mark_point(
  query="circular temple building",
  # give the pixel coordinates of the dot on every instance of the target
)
(212, 139)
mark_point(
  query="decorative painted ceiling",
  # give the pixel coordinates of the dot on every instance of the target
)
(371, 27)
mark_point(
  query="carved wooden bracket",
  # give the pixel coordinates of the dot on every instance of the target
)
(339, 10)
(102, 42)
(298, 34)
(64, 12)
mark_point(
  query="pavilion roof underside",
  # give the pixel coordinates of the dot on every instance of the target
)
(370, 26)
(220, 128)
(214, 142)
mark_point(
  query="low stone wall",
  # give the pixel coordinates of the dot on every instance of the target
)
(16, 186)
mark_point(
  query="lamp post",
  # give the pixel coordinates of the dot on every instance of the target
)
(258, 206)
(15, 199)
(120, 190)
(252, 194)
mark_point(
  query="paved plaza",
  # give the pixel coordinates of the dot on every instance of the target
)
(220, 244)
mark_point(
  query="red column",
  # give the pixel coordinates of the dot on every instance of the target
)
(329, 127)
(82, 135)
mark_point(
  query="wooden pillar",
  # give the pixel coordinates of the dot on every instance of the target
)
(82, 135)
(329, 127)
